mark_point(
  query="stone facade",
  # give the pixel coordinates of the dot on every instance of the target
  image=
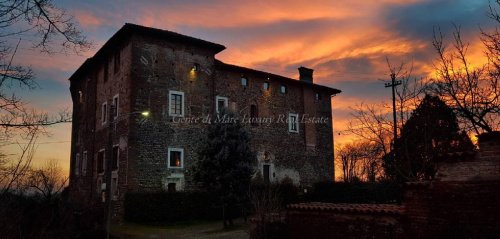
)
(179, 82)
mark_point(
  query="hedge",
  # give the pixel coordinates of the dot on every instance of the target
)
(171, 207)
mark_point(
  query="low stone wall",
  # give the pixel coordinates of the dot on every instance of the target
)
(328, 220)
(462, 202)
(464, 199)
(453, 209)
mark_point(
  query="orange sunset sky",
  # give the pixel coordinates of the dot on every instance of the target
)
(344, 41)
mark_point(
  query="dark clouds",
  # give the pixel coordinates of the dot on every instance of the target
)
(345, 41)
(416, 21)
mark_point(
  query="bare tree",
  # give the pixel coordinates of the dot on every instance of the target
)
(409, 94)
(47, 181)
(472, 91)
(13, 171)
(50, 29)
(359, 160)
(373, 122)
(348, 161)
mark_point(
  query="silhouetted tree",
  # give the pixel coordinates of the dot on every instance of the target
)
(226, 164)
(359, 160)
(431, 131)
(51, 30)
(374, 122)
(472, 91)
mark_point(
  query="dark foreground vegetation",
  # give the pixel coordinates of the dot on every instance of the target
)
(30, 216)
(164, 207)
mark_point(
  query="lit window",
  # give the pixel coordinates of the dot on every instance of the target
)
(100, 161)
(293, 123)
(266, 85)
(317, 96)
(77, 164)
(196, 67)
(116, 157)
(80, 96)
(116, 105)
(176, 103)
(175, 158)
(84, 163)
(104, 112)
(244, 81)
(283, 89)
(221, 103)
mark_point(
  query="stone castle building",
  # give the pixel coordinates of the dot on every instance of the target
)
(178, 81)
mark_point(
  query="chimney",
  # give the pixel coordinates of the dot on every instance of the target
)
(306, 74)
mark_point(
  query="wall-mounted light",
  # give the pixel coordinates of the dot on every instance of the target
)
(196, 67)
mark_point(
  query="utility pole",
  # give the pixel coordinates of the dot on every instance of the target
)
(393, 85)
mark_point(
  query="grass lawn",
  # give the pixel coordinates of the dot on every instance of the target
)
(201, 230)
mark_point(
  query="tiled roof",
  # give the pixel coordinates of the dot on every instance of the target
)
(346, 208)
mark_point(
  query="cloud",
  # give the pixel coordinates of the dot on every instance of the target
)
(88, 19)
(346, 42)
(418, 20)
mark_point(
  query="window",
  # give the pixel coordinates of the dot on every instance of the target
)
(244, 81)
(266, 172)
(175, 158)
(116, 157)
(283, 89)
(317, 96)
(99, 185)
(196, 67)
(114, 188)
(77, 164)
(105, 71)
(221, 103)
(117, 61)
(80, 96)
(266, 86)
(174, 182)
(100, 161)
(116, 105)
(171, 187)
(176, 103)
(253, 114)
(293, 123)
(104, 112)
(84, 163)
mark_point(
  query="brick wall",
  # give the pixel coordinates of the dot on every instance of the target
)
(463, 201)
(321, 220)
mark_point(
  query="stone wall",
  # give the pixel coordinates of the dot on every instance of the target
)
(328, 220)
(453, 209)
(153, 62)
(463, 201)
